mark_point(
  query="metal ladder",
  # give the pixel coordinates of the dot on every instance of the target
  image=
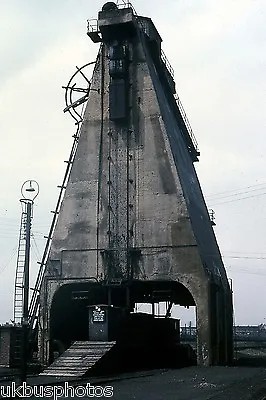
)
(35, 299)
(34, 303)
(19, 280)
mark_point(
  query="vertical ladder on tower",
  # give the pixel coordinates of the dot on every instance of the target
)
(19, 279)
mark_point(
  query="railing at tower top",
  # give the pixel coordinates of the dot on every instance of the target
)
(186, 121)
(93, 23)
(93, 27)
(125, 4)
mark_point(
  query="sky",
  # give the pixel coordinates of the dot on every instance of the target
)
(217, 50)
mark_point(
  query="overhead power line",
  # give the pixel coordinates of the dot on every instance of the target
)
(236, 190)
(239, 193)
(234, 200)
(245, 257)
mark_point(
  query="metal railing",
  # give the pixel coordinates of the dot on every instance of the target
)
(125, 4)
(186, 121)
(212, 215)
(167, 63)
(93, 25)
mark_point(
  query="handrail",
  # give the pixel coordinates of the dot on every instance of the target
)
(167, 63)
(93, 25)
(212, 215)
(186, 121)
(125, 4)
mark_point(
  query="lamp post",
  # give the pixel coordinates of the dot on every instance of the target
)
(29, 192)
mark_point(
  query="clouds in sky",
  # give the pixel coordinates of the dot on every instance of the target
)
(217, 50)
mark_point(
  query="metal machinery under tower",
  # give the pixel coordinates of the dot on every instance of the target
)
(132, 225)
